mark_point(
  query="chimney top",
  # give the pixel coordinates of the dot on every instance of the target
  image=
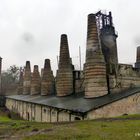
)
(47, 63)
(28, 64)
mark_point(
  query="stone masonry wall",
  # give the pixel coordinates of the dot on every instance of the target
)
(38, 113)
(127, 77)
(129, 105)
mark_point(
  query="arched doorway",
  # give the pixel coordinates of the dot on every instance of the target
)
(77, 118)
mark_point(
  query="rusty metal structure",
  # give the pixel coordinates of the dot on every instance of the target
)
(108, 37)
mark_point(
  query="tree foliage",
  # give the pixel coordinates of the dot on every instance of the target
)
(10, 78)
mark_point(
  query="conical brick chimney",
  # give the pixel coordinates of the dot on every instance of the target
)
(47, 83)
(35, 81)
(27, 78)
(20, 85)
(95, 67)
(64, 77)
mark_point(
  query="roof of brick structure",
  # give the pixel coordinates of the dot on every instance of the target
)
(75, 103)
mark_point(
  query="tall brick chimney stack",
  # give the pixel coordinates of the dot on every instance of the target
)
(0, 75)
(95, 67)
(47, 83)
(27, 78)
(137, 64)
(64, 77)
(20, 86)
(35, 81)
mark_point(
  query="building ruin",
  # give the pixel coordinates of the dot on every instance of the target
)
(104, 88)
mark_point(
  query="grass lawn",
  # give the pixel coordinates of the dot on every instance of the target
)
(127, 128)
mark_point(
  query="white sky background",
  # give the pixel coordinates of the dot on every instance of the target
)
(31, 29)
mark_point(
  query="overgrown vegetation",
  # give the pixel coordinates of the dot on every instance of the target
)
(104, 129)
(10, 78)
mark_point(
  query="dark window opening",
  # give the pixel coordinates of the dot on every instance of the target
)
(44, 110)
(53, 112)
(28, 116)
(77, 118)
(77, 75)
(125, 114)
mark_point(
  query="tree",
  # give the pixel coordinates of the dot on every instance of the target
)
(10, 78)
(14, 71)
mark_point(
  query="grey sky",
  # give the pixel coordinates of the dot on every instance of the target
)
(31, 29)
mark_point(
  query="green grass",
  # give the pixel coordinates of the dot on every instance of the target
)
(134, 116)
(109, 129)
(4, 119)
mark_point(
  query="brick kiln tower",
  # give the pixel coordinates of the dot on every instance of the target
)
(27, 78)
(137, 64)
(35, 81)
(20, 85)
(95, 67)
(47, 83)
(64, 77)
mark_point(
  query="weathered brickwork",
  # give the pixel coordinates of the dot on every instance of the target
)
(39, 113)
(79, 84)
(20, 85)
(64, 77)
(47, 82)
(95, 67)
(27, 78)
(127, 77)
(35, 81)
(65, 97)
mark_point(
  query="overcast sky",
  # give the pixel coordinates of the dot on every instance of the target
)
(31, 29)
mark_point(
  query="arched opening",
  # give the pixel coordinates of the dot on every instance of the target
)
(28, 116)
(125, 114)
(77, 118)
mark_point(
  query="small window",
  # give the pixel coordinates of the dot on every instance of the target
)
(53, 112)
(44, 110)
(77, 75)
